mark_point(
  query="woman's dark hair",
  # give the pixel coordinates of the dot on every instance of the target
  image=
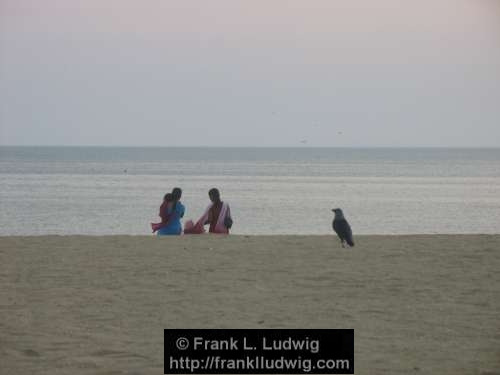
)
(176, 196)
(176, 193)
(168, 197)
(214, 194)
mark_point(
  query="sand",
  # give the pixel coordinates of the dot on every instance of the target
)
(98, 305)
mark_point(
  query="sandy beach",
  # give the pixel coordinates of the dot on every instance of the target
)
(426, 304)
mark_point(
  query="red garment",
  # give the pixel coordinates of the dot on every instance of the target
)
(163, 212)
(164, 217)
(191, 228)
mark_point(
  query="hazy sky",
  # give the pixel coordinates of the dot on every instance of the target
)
(250, 73)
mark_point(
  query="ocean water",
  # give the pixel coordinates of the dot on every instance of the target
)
(117, 190)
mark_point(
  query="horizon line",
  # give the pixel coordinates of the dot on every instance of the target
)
(233, 147)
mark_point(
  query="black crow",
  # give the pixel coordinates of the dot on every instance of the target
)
(342, 228)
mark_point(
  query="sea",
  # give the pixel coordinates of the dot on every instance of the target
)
(118, 190)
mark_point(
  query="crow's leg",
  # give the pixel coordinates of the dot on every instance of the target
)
(343, 243)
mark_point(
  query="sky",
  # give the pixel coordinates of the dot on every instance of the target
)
(250, 73)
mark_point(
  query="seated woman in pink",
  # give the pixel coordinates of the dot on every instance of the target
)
(217, 214)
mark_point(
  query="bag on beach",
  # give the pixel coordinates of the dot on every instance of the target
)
(228, 222)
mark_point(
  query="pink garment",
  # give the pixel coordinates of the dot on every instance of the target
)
(157, 226)
(191, 228)
(220, 227)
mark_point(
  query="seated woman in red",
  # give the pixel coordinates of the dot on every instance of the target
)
(165, 209)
